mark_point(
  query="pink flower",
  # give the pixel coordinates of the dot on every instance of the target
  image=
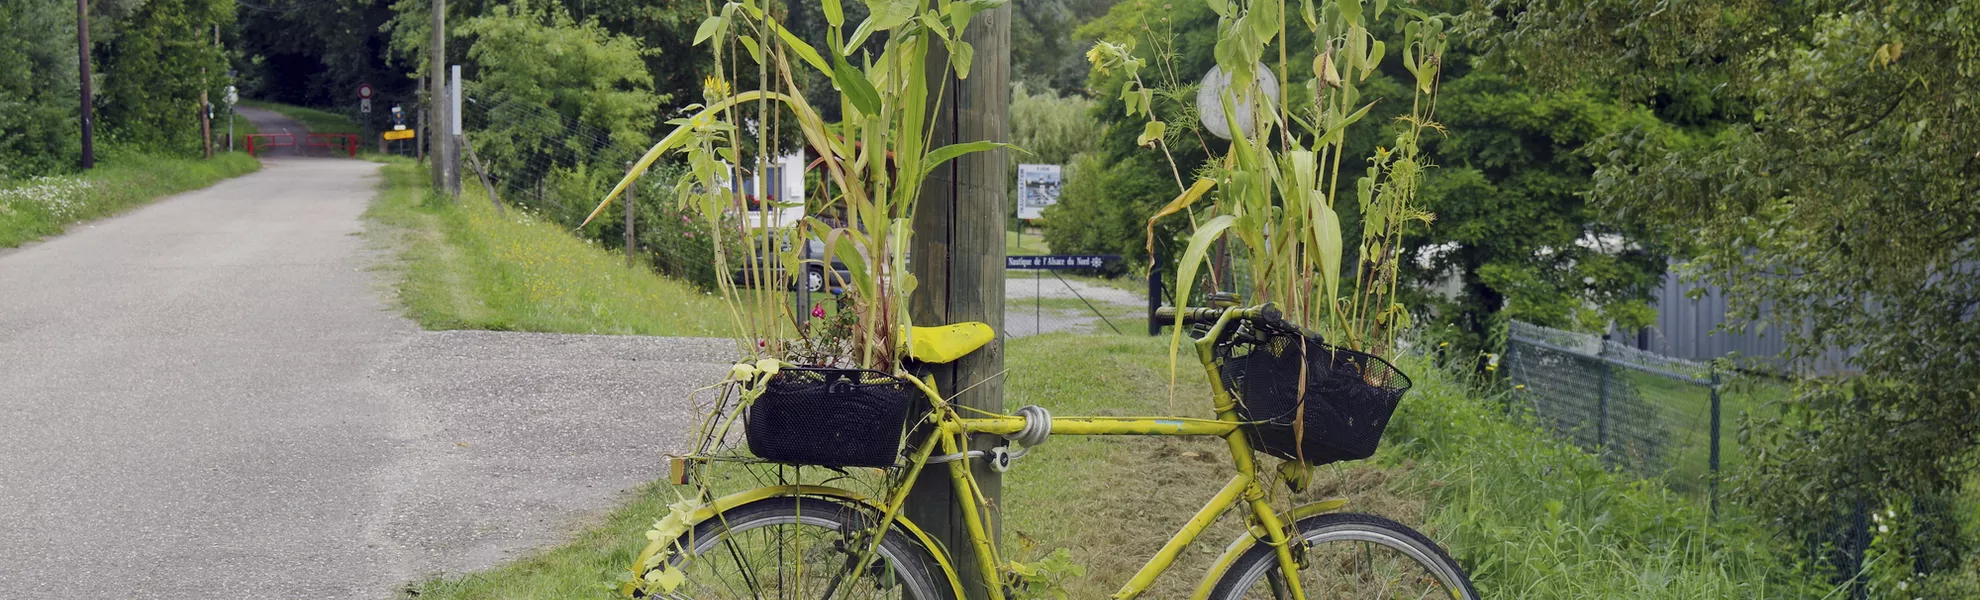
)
(818, 310)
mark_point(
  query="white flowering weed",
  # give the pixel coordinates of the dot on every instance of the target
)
(57, 197)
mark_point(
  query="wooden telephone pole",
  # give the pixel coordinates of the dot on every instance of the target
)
(88, 95)
(436, 96)
(958, 260)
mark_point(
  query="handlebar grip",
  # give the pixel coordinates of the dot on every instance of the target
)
(1191, 315)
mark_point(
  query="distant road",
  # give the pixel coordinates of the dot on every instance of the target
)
(211, 397)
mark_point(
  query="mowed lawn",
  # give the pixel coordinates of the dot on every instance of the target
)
(466, 265)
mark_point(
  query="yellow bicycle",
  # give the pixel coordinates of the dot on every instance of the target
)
(814, 538)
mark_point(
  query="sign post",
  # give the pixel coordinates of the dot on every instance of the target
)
(233, 98)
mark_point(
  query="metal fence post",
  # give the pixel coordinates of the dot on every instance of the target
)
(1602, 403)
(632, 243)
(1715, 441)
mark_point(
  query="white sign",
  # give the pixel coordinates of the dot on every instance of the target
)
(233, 96)
(364, 91)
(1038, 187)
(364, 106)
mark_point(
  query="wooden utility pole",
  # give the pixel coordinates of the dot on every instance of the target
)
(206, 104)
(88, 95)
(419, 127)
(958, 255)
(436, 97)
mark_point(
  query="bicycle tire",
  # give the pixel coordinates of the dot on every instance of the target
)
(1327, 534)
(902, 563)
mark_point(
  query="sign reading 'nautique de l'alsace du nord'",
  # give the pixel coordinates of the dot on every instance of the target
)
(1061, 261)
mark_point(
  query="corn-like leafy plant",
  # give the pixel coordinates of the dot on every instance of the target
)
(872, 161)
(1277, 191)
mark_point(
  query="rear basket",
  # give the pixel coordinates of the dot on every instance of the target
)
(1348, 399)
(832, 418)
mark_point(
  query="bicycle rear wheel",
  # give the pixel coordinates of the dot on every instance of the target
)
(802, 548)
(1351, 556)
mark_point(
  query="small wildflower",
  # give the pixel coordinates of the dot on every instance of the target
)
(1520, 386)
(1883, 529)
(818, 310)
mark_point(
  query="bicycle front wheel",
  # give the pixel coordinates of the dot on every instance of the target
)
(802, 548)
(1351, 556)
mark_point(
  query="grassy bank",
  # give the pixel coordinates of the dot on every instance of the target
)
(316, 120)
(47, 206)
(1529, 516)
(466, 266)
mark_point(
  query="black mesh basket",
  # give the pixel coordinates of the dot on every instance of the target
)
(1348, 399)
(832, 418)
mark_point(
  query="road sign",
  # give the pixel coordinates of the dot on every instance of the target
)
(364, 91)
(1038, 187)
(233, 96)
(1055, 262)
(364, 106)
(402, 134)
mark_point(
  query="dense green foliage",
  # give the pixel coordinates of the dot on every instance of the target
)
(157, 68)
(46, 205)
(38, 91)
(1513, 228)
(1046, 54)
(1843, 209)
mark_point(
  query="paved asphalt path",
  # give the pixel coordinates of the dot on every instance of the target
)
(271, 122)
(212, 397)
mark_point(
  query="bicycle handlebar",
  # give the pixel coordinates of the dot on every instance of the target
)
(1267, 313)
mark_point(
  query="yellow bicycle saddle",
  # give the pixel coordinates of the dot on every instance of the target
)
(948, 342)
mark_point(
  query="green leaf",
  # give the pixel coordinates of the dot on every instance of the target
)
(960, 13)
(1221, 7)
(884, 15)
(749, 43)
(1351, 11)
(1192, 258)
(1151, 132)
(803, 50)
(707, 29)
(834, 14)
(952, 151)
(1327, 240)
(854, 85)
(961, 56)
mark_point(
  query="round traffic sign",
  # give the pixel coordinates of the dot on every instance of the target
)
(364, 91)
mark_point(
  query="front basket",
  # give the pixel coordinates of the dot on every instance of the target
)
(1348, 398)
(832, 418)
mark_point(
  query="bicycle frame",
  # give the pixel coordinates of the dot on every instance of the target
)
(952, 431)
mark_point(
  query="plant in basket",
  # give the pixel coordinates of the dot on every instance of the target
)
(1319, 391)
(821, 390)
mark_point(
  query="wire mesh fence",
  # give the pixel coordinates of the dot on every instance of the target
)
(1657, 416)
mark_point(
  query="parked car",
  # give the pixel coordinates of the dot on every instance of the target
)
(815, 279)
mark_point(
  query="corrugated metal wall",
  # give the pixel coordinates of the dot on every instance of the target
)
(1685, 329)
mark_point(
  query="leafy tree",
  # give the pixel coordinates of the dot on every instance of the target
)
(1046, 53)
(316, 53)
(592, 82)
(1513, 228)
(1844, 208)
(37, 88)
(156, 68)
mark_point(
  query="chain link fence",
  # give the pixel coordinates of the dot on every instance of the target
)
(1657, 416)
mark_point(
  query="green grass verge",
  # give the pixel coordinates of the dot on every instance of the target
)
(1531, 517)
(466, 266)
(316, 120)
(1029, 242)
(47, 206)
